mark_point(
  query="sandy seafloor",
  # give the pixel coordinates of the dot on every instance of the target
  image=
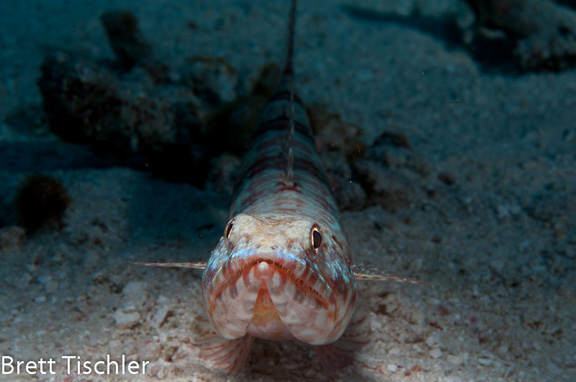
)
(498, 244)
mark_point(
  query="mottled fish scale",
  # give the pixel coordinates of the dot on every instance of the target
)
(264, 168)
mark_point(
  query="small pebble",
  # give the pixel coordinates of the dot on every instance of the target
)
(159, 317)
(126, 320)
(436, 353)
(135, 293)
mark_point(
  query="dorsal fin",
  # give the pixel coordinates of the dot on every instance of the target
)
(288, 78)
(288, 67)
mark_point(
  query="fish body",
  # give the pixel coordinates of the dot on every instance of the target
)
(282, 270)
(283, 241)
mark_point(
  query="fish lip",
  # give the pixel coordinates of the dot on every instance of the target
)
(299, 282)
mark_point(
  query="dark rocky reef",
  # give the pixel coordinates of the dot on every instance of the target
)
(542, 32)
(195, 125)
(134, 111)
(503, 36)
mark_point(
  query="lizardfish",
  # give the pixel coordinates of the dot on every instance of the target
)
(283, 268)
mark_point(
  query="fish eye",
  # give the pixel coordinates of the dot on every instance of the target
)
(228, 229)
(316, 237)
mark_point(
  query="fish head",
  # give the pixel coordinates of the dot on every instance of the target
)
(280, 278)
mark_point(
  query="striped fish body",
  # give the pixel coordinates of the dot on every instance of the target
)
(282, 270)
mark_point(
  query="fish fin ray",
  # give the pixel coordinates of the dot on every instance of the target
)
(341, 353)
(195, 265)
(224, 354)
(220, 353)
(365, 272)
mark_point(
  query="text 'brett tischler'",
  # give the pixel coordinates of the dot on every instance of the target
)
(73, 365)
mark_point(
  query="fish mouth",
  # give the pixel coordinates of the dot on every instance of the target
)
(265, 269)
(270, 299)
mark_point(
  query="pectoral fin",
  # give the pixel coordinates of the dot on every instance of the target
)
(341, 353)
